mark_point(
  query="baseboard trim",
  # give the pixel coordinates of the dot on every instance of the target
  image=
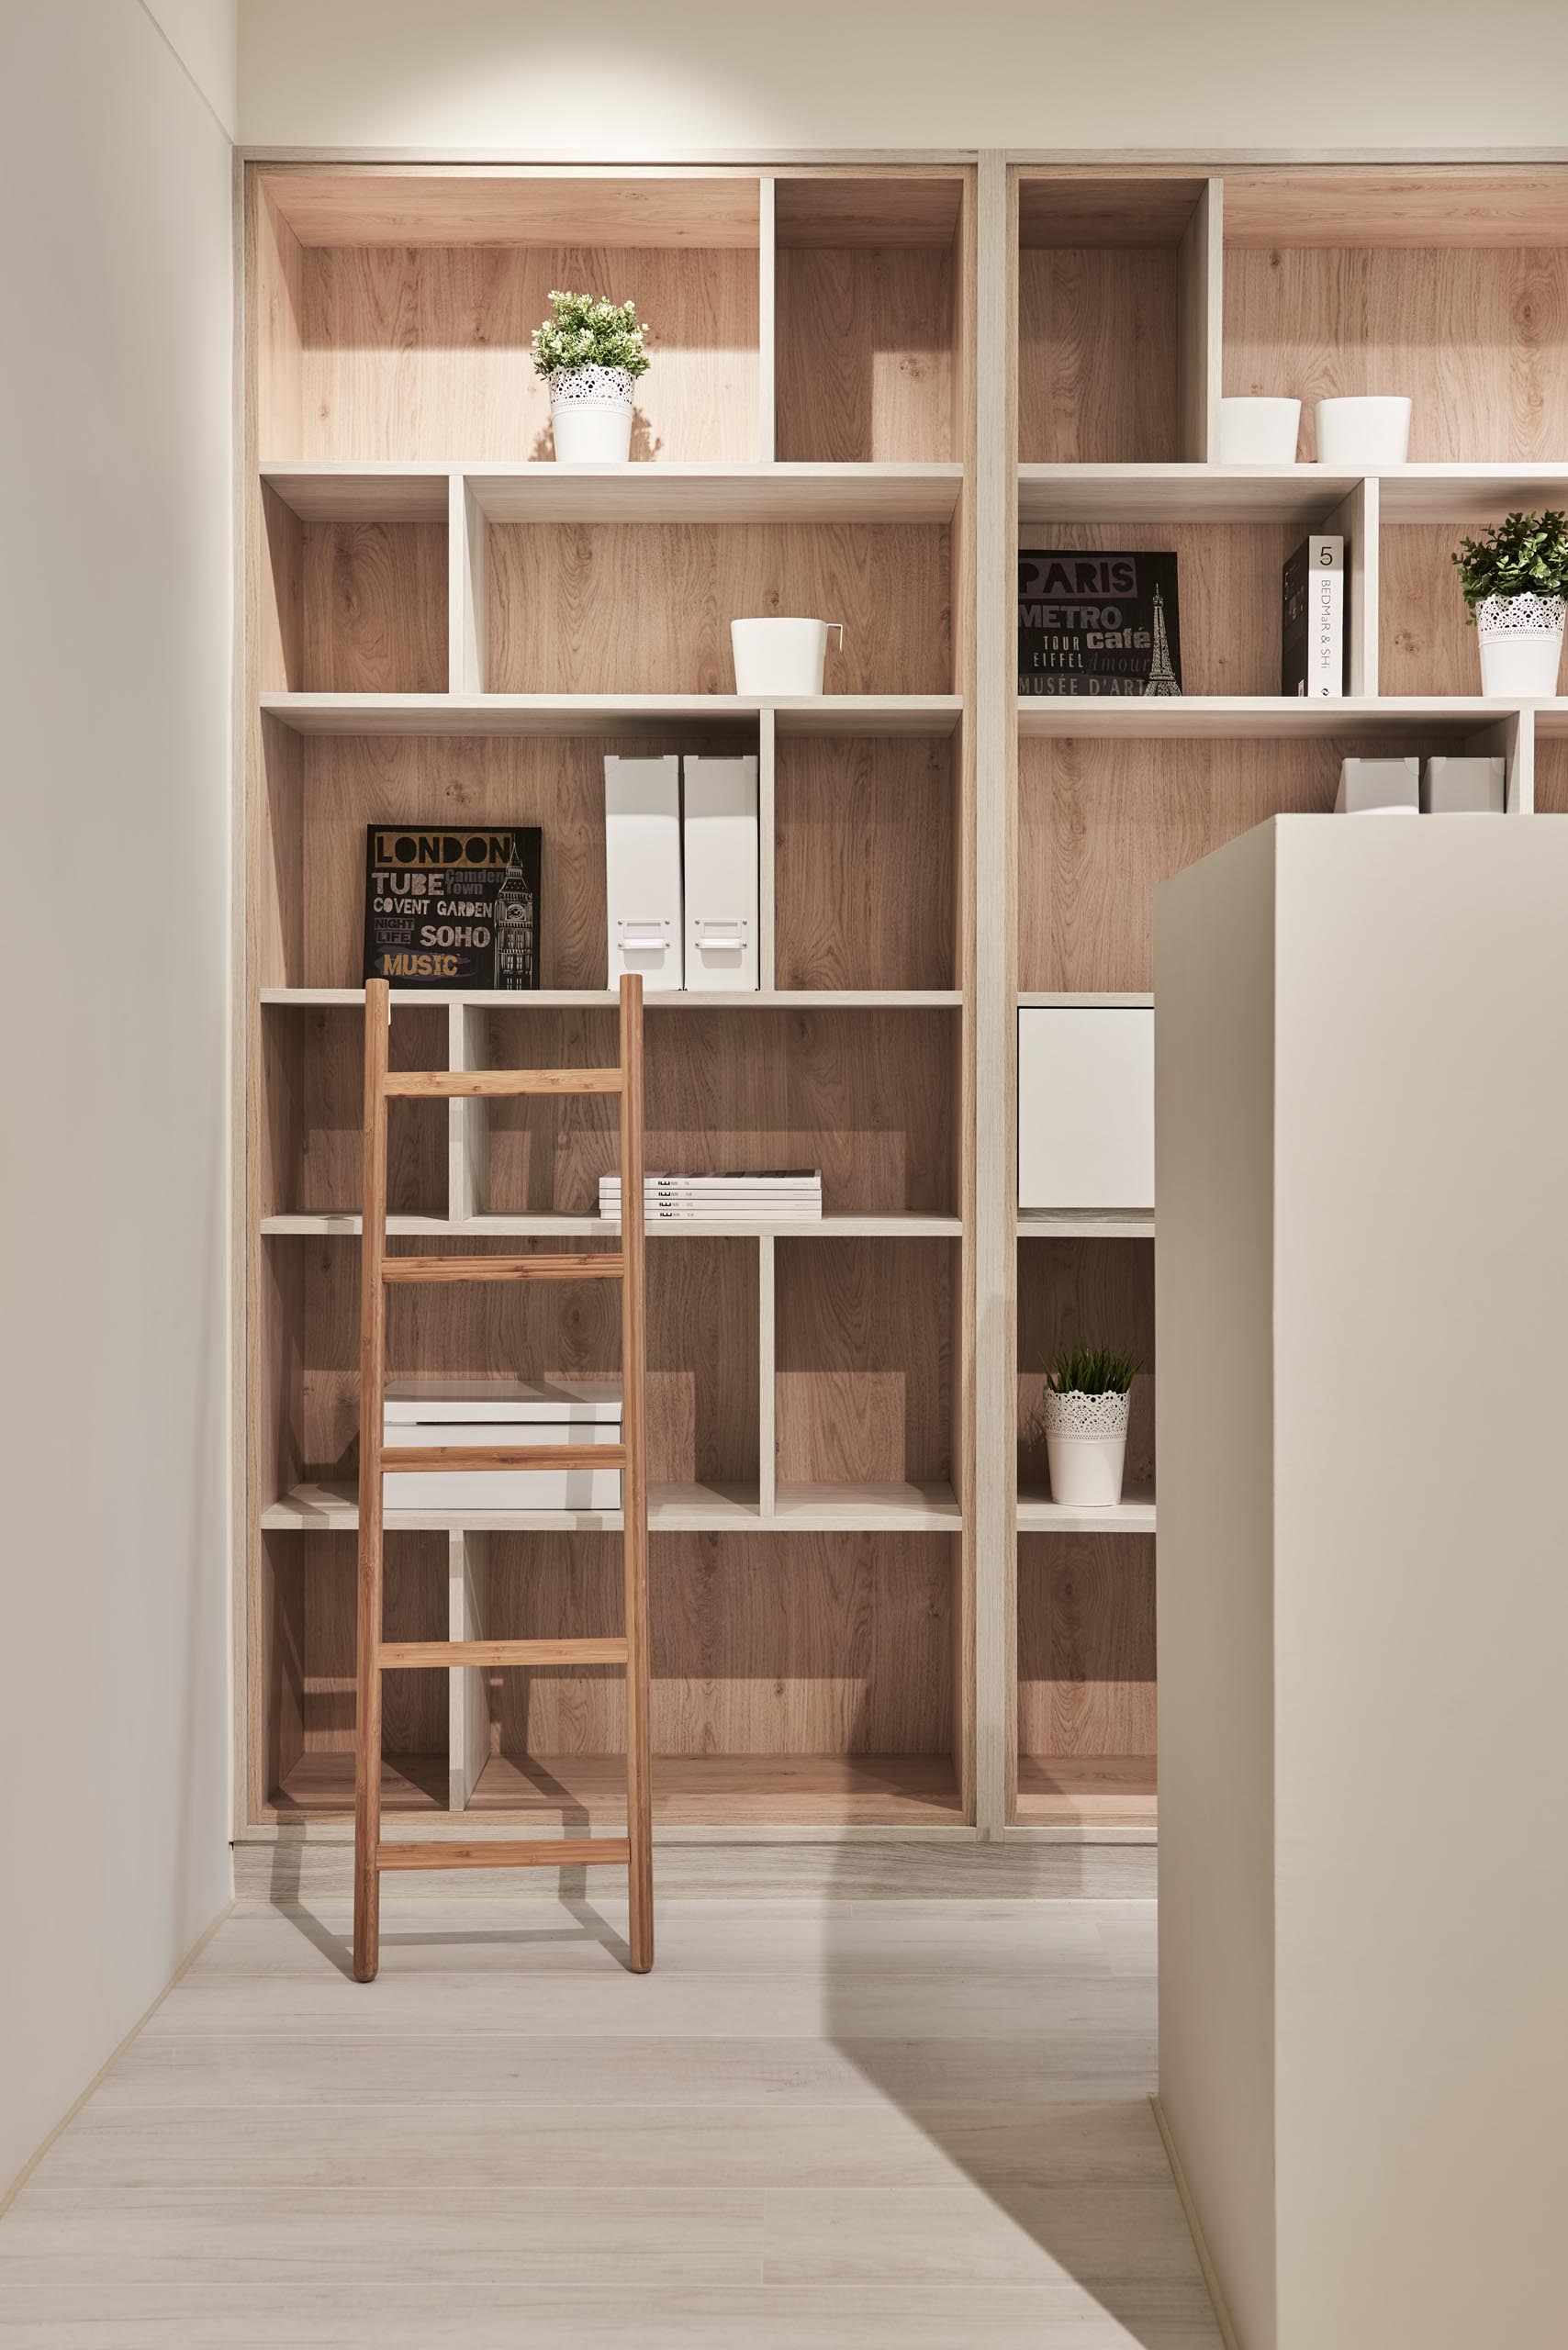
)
(287, 1873)
(66, 2118)
(1228, 2332)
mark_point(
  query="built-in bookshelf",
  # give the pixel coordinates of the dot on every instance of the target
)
(1141, 297)
(871, 1622)
(445, 625)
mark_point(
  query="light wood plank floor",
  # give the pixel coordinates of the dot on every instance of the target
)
(827, 2126)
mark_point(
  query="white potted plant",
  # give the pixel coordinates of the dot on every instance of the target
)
(1084, 1412)
(590, 354)
(1513, 578)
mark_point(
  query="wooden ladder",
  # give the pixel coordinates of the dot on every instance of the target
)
(377, 1655)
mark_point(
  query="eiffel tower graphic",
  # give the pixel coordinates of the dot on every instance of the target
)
(1162, 677)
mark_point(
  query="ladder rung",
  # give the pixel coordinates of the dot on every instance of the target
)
(578, 1265)
(408, 1656)
(565, 1852)
(501, 1456)
(435, 1084)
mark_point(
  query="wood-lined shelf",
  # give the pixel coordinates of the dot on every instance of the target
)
(1086, 1791)
(333, 1509)
(907, 1225)
(1261, 716)
(613, 716)
(575, 1791)
(544, 491)
(603, 999)
(1086, 1224)
(1038, 1514)
(1299, 494)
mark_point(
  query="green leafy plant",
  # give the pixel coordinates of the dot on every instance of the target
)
(1092, 1370)
(1525, 554)
(586, 332)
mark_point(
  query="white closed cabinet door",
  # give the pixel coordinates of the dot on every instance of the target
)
(641, 870)
(1086, 1107)
(722, 863)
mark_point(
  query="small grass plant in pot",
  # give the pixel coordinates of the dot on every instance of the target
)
(590, 354)
(1515, 580)
(1084, 1412)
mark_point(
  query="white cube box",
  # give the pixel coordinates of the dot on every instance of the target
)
(720, 859)
(1379, 788)
(465, 1412)
(641, 870)
(1463, 787)
(1086, 1107)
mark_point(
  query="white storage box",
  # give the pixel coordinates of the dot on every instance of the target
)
(1463, 787)
(462, 1412)
(1086, 1108)
(718, 838)
(1379, 788)
(641, 870)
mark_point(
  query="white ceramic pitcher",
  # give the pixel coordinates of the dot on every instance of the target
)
(776, 656)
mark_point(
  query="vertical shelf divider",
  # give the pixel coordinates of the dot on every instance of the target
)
(1355, 520)
(1201, 327)
(767, 324)
(468, 1697)
(468, 1133)
(767, 850)
(993, 1243)
(468, 589)
(767, 1358)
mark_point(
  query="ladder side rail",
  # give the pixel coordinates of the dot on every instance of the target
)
(372, 1379)
(634, 1484)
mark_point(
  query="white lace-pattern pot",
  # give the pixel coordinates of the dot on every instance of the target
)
(1521, 646)
(1086, 1445)
(590, 409)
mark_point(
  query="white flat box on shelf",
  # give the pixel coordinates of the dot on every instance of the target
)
(1379, 788)
(1463, 787)
(719, 844)
(1086, 1107)
(463, 1412)
(641, 870)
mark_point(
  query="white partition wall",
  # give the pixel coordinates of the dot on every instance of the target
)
(1362, 1295)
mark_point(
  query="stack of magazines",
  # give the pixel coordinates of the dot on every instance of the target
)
(788, 1194)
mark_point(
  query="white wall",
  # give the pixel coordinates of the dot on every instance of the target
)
(621, 78)
(115, 656)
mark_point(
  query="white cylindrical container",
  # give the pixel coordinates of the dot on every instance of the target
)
(591, 409)
(1255, 432)
(1360, 434)
(1086, 1446)
(1521, 646)
(776, 656)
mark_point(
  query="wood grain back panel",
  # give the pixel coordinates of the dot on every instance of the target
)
(1476, 335)
(374, 616)
(1093, 1293)
(864, 862)
(1425, 645)
(864, 1335)
(423, 353)
(313, 1057)
(1097, 352)
(777, 1644)
(414, 1608)
(1102, 824)
(702, 1347)
(868, 1096)
(1086, 1644)
(865, 351)
(645, 607)
(1551, 775)
(546, 1154)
